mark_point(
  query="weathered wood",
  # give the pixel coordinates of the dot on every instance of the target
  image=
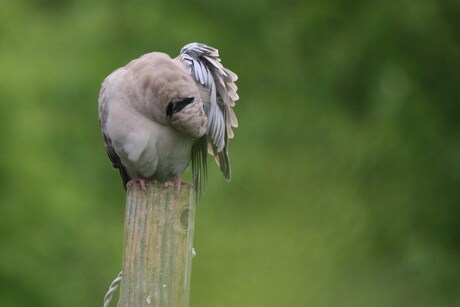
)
(159, 227)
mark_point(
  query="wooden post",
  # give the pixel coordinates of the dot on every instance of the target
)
(158, 241)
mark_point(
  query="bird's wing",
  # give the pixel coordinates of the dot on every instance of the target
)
(103, 113)
(204, 66)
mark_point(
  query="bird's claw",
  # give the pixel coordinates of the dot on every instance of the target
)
(176, 182)
(141, 182)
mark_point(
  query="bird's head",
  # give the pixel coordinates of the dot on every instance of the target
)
(187, 115)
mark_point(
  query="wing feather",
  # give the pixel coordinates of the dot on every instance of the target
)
(114, 158)
(204, 65)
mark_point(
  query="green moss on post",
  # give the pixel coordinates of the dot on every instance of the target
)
(158, 241)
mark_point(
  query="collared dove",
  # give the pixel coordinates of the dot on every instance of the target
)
(157, 114)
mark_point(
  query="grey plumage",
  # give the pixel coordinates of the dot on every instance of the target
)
(157, 114)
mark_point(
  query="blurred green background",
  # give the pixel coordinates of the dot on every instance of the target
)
(346, 164)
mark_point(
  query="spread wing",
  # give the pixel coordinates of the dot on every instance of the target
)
(204, 65)
(103, 106)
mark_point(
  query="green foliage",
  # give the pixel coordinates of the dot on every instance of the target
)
(346, 164)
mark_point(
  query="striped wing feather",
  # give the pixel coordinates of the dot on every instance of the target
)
(204, 65)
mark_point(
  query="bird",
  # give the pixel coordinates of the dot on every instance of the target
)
(158, 114)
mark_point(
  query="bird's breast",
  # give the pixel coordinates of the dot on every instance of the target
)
(173, 150)
(153, 151)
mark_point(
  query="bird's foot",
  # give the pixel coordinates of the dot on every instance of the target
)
(142, 182)
(177, 183)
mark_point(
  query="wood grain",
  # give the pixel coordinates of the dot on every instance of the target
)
(158, 241)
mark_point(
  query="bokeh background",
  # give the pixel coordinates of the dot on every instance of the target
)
(346, 164)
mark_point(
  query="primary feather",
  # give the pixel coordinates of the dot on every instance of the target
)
(203, 62)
